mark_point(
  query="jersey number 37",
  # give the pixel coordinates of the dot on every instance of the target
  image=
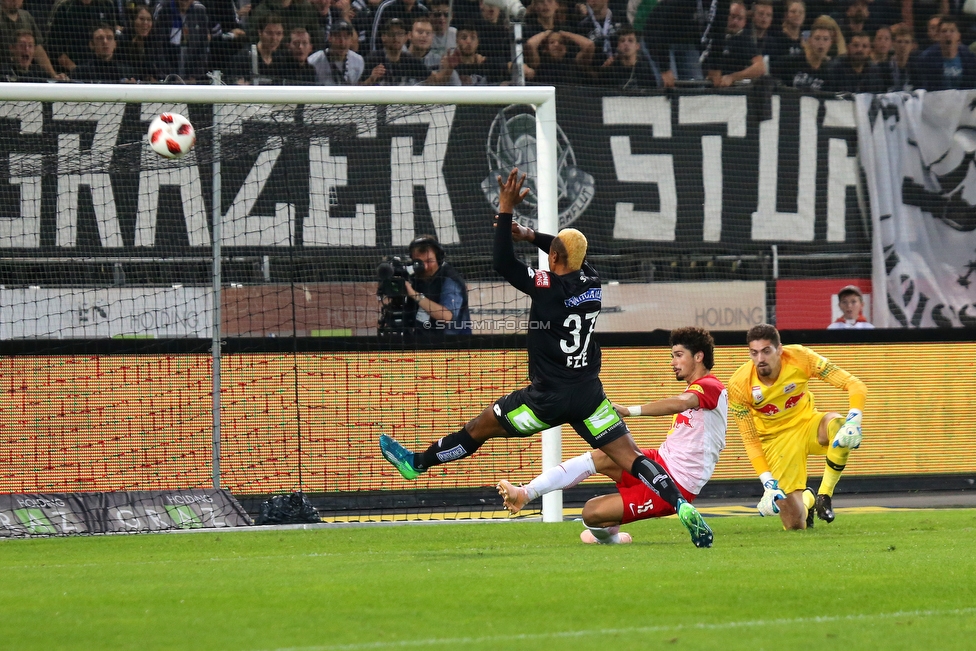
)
(580, 328)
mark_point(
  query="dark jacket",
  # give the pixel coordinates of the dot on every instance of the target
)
(141, 59)
(842, 78)
(72, 24)
(190, 59)
(98, 71)
(930, 69)
(679, 23)
(432, 288)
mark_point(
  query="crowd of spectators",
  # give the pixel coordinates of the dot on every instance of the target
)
(831, 45)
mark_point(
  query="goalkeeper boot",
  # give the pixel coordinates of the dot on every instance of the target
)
(515, 497)
(399, 456)
(701, 533)
(825, 510)
(813, 507)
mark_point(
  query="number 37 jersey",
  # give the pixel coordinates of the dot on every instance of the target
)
(562, 349)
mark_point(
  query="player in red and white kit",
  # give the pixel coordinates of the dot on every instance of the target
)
(688, 454)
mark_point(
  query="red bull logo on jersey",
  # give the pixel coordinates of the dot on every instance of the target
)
(791, 402)
(682, 419)
(769, 410)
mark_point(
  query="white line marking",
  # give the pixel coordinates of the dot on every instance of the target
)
(499, 639)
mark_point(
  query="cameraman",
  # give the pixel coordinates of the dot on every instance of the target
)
(439, 290)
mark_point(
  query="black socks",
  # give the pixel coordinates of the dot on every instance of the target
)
(450, 448)
(657, 479)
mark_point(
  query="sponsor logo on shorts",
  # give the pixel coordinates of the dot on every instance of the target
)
(791, 401)
(789, 387)
(525, 421)
(602, 420)
(769, 410)
(450, 455)
(541, 279)
(497, 410)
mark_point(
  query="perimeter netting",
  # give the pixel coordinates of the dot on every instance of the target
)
(108, 305)
(698, 207)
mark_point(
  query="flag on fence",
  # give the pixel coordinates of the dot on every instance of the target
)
(917, 151)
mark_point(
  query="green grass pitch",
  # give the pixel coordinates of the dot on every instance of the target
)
(892, 580)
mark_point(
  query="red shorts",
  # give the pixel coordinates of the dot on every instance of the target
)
(640, 502)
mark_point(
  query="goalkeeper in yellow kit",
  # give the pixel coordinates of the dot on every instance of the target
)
(780, 426)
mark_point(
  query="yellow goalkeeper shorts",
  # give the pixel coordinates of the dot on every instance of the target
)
(787, 452)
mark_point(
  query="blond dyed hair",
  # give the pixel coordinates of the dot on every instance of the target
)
(574, 244)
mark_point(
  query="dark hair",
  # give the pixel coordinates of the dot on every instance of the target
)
(949, 20)
(765, 3)
(269, 19)
(562, 253)
(101, 26)
(133, 12)
(696, 340)
(426, 243)
(763, 331)
(901, 29)
(625, 30)
(469, 26)
(392, 24)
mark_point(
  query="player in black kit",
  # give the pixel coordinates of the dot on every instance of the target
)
(564, 366)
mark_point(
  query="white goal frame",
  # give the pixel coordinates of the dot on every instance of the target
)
(542, 98)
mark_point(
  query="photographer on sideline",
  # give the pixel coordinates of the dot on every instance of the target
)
(439, 291)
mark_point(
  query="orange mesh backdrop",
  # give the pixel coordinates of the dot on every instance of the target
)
(144, 421)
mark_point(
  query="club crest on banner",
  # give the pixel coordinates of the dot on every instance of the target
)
(925, 146)
(511, 143)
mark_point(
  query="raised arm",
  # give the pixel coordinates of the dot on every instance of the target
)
(510, 194)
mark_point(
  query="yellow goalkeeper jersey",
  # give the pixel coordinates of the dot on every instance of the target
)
(763, 412)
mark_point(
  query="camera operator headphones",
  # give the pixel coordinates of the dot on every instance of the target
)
(429, 241)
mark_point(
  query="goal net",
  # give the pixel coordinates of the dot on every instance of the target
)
(216, 320)
(222, 320)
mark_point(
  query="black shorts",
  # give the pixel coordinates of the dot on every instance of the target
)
(584, 406)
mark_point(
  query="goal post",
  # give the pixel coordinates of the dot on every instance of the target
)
(15, 95)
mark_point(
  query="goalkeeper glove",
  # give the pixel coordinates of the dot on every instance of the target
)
(849, 434)
(771, 494)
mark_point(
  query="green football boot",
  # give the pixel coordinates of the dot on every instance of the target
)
(399, 456)
(700, 532)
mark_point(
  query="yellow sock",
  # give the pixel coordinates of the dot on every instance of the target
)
(836, 460)
(808, 499)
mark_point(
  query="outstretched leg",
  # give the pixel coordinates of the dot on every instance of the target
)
(566, 475)
(462, 443)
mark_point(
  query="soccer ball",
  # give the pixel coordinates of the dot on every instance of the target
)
(171, 135)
